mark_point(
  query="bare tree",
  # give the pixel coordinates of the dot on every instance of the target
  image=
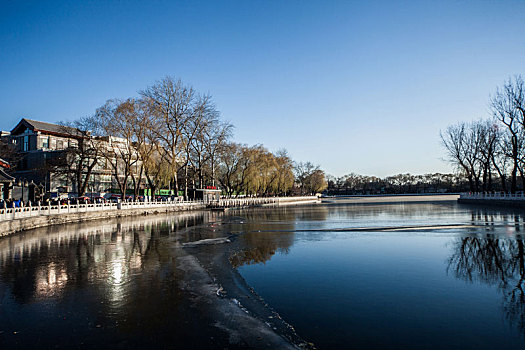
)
(170, 102)
(117, 119)
(202, 110)
(461, 143)
(508, 107)
(10, 154)
(154, 164)
(302, 172)
(214, 139)
(83, 153)
(487, 138)
(207, 143)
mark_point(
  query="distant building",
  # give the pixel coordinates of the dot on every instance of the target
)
(208, 195)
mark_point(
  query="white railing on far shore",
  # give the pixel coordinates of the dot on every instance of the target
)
(518, 196)
(253, 201)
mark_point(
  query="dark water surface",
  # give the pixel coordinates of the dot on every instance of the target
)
(429, 288)
(113, 284)
(126, 284)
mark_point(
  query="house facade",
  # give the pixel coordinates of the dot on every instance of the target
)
(41, 144)
(37, 143)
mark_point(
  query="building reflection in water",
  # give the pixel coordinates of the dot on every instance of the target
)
(119, 282)
(494, 257)
(50, 281)
(42, 263)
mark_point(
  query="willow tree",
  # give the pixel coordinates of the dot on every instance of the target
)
(260, 169)
(283, 176)
(235, 165)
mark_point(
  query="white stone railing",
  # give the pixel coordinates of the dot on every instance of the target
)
(46, 210)
(519, 196)
(40, 210)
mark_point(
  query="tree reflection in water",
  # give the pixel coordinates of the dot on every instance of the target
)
(494, 258)
(266, 232)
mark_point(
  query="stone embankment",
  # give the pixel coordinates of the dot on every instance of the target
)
(78, 213)
(14, 220)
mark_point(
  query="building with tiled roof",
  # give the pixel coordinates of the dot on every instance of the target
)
(39, 142)
(45, 128)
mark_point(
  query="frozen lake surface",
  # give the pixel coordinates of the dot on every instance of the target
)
(458, 286)
(412, 276)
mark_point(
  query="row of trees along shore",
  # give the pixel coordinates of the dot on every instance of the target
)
(490, 152)
(171, 136)
(354, 184)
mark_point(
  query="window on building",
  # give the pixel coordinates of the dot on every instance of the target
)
(26, 143)
(60, 144)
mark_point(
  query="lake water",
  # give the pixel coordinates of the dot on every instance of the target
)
(116, 284)
(412, 276)
(460, 287)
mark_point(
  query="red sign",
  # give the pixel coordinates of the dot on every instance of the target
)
(4, 164)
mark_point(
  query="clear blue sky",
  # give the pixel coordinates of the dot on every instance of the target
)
(353, 86)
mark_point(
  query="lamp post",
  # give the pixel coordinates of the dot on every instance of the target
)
(19, 184)
(22, 184)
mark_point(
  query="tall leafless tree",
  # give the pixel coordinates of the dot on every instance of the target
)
(170, 102)
(508, 107)
(117, 119)
(82, 154)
